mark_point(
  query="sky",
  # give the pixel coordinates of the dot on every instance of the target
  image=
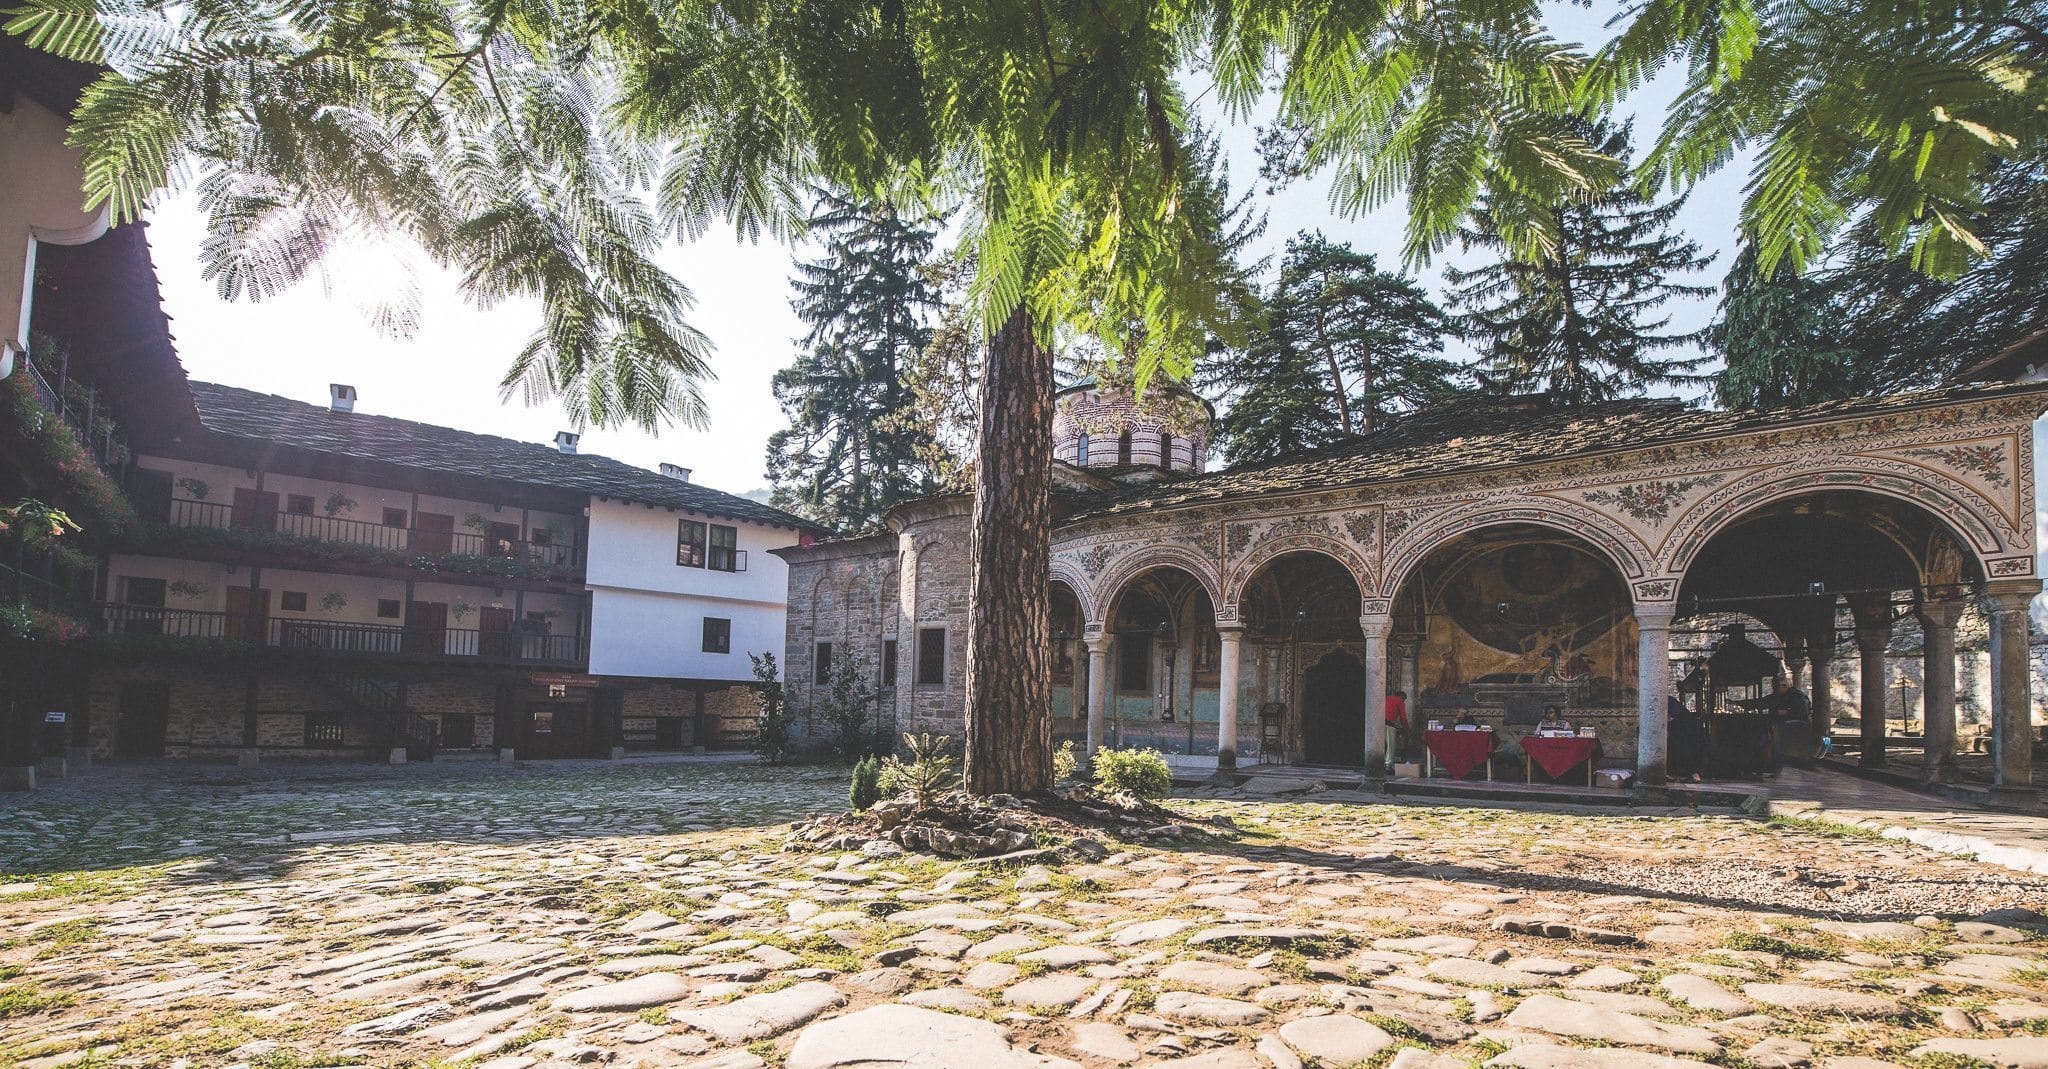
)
(296, 343)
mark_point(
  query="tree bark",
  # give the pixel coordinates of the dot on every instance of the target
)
(1009, 711)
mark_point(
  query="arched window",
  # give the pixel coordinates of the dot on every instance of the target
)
(1123, 449)
(1166, 450)
(1081, 453)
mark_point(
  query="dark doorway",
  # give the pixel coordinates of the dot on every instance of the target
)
(555, 730)
(248, 614)
(426, 627)
(668, 733)
(503, 540)
(143, 713)
(433, 532)
(151, 491)
(458, 732)
(1333, 711)
(494, 633)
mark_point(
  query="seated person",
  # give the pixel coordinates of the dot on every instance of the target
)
(1553, 720)
(1466, 719)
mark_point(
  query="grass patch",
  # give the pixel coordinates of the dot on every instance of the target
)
(67, 933)
(655, 1015)
(1771, 944)
(29, 1000)
(1786, 822)
(1940, 1060)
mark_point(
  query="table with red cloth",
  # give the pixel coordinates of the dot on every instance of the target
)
(1459, 751)
(1559, 754)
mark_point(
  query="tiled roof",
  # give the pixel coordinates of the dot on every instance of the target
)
(1478, 433)
(266, 418)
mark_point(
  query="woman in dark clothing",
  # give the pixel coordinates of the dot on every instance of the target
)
(1685, 740)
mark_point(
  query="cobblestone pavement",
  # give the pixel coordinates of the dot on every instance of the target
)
(517, 917)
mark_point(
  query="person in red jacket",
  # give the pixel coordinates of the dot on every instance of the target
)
(1397, 725)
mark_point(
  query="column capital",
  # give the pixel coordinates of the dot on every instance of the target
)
(1376, 625)
(1230, 631)
(1096, 641)
(2010, 595)
(1941, 612)
(1655, 614)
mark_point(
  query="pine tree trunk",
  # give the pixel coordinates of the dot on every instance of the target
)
(1009, 712)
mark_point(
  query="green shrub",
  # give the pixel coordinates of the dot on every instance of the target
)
(1064, 763)
(772, 728)
(930, 772)
(1140, 772)
(866, 788)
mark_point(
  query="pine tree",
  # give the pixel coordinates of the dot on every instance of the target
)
(1580, 321)
(1779, 340)
(845, 458)
(1340, 344)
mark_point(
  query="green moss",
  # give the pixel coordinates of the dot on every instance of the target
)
(28, 1000)
(1771, 944)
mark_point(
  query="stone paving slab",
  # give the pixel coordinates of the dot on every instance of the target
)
(2013, 840)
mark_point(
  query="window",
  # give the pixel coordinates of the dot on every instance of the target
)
(1123, 449)
(888, 662)
(541, 536)
(821, 663)
(725, 544)
(1166, 451)
(689, 544)
(1134, 663)
(931, 655)
(293, 601)
(394, 517)
(323, 729)
(299, 504)
(388, 609)
(717, 635)
(1081, 453)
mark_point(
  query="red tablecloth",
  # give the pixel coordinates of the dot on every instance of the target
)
(1558, 755)
(1459, 751)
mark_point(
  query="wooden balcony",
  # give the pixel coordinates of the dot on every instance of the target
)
(325, 638)
(219, 530)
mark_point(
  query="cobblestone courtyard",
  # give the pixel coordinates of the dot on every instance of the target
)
(647, 915)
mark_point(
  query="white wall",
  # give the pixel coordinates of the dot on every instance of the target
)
(649, 611)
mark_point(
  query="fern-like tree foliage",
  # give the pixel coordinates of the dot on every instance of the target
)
(850, 452)
(1584, 320)
(1340, 344)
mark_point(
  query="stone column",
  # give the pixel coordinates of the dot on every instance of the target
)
(2012, 702)
(1653, 688)
(1375, 628)
(1098, 689)
(1938, 618)
(1820, 650)
(1795, 662)
(1873, 637)
(1230, 636)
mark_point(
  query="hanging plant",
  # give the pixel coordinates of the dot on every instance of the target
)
(338, 502)
(196, 487)
(333, 601)
(475, 521)
(461, 610)
(187, 589)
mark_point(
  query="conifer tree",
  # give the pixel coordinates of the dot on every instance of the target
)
(1779, 340)
(1581, 320)
(846, 456)
(1340, 344)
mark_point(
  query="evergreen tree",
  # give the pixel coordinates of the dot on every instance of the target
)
(1339, 345)
(1579, 320)
(1779, 340)
(845, 459)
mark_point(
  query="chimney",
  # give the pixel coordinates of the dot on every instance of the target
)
(565, 441)
(340, 398)
(675, 471)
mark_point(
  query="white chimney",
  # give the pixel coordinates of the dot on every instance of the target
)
(340, 398)
(675, 471)
(565, 441)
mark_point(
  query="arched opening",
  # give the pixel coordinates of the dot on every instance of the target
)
(1123, 449)
(1501, 624)
(1300, 610)
(1163, 665)
(1849, 588)
(1067, 662)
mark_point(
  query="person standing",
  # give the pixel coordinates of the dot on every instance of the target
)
(1397, 725)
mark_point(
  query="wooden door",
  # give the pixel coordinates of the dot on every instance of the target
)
(494, 633)
(151, 491)
(144, 712)
(253, 509)
(433, 532)
(426, 627)
(458, 732)
(147, 597)
(248, 614)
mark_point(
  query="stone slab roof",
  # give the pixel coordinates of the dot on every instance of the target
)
(266, 418)
(1479, 433)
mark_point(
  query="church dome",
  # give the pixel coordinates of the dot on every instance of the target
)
(1109, 426)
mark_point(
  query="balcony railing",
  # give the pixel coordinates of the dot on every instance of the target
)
(80, 407)
(348, 639)
(184, 512)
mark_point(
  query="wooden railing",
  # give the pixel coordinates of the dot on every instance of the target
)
(348, 639)
(79, 406)
(185, 512)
